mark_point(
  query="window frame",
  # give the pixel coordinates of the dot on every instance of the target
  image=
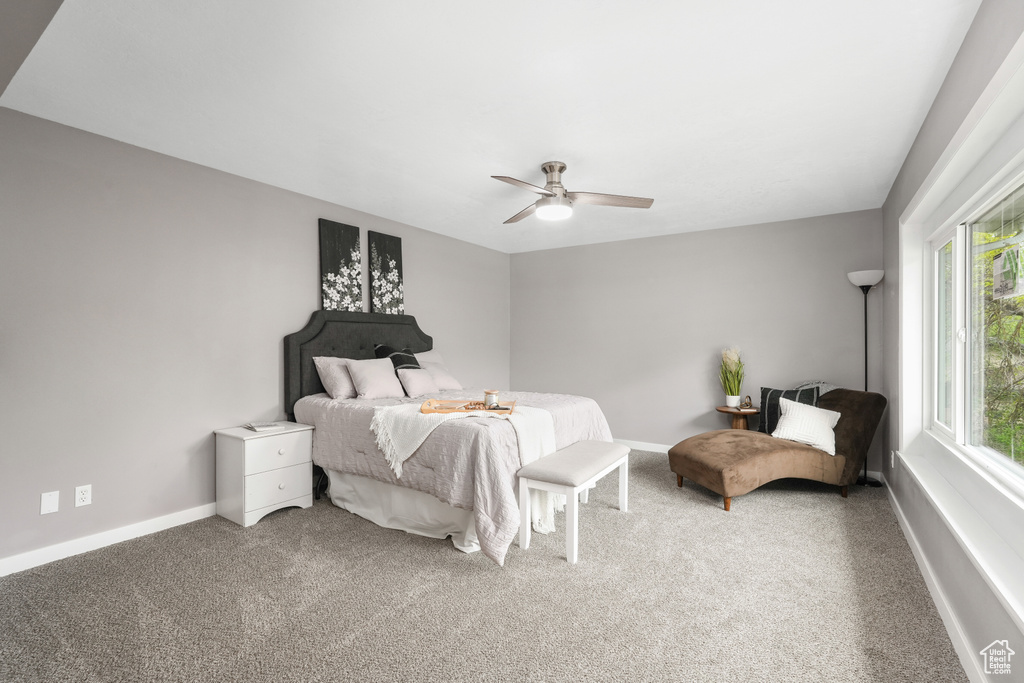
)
(1007, 472)
(953, 236)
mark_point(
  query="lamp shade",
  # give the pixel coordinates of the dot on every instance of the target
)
(866, 278)
(554, 208)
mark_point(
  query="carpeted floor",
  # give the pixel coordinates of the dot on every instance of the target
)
(794, 584)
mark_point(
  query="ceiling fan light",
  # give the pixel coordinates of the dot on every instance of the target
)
(554, 208)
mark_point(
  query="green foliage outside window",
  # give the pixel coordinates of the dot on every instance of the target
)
(997, 349)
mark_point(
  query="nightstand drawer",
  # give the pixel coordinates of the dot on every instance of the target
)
(276, 486)
(279, 450)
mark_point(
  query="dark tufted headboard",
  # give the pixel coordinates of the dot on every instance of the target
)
(344, 335)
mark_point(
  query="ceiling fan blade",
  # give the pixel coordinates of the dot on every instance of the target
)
(525, 186)
(610, 200)
(522, 214)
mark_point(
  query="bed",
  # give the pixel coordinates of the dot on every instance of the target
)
(460, 482)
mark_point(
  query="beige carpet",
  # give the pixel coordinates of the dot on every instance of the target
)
(795, 584)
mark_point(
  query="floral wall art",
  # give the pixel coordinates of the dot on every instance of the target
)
(386, 295)
(341, 274)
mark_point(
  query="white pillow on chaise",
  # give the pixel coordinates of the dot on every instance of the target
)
(807, 424)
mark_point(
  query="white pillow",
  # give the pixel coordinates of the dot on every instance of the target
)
(807, 424)
(375, 378)
(430, 356)
(334, 376)
(417, 382)
(442, 378)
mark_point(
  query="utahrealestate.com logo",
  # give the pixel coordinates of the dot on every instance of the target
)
(997, 657)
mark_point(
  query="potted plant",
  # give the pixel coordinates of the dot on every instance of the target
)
(731, 375)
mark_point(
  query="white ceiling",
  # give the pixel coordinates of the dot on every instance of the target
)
(726, 112)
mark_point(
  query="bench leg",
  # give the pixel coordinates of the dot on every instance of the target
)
(524, 515)
(679, 480)
(728, 501)
(572, 525)
(624, 485)
(843, 490)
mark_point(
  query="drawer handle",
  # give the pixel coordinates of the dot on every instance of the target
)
(280, 486)
(280, 451)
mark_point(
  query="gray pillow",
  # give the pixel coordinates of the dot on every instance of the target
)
(375, 378)
(442, 378)
(431, 356)
(417, 382)
(334, 376)
(823, 386)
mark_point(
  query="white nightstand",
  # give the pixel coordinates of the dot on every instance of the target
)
(259, 472)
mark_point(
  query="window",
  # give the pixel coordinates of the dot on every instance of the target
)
(979, 330)
(997, 329)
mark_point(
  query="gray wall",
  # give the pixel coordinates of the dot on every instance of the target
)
(21, 24)
(976, 612)
(639, 325)
(143, 303)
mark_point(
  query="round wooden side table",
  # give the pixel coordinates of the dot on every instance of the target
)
(739, 415)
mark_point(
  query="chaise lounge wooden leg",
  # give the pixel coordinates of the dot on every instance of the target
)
(679, 480)
(728, 501)
(843, 490)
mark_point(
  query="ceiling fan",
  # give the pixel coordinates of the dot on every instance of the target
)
(556, 202)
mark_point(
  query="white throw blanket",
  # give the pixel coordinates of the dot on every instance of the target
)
(401, 429)
(535, 431)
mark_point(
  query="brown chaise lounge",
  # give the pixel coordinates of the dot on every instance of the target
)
(732, 462)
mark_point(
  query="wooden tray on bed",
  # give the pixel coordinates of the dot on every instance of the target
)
(434, 405)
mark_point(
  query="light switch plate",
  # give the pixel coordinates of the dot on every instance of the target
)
(50, 502)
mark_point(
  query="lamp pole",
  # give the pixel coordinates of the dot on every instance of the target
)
(865, 289)
(865, 280)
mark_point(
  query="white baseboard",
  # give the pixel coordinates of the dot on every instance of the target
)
(968, 660)
(35, 558)
(644, 446)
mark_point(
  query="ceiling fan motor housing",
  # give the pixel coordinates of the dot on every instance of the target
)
(556, 203)
(553, 171)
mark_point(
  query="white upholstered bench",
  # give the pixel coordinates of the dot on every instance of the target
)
(571, 471)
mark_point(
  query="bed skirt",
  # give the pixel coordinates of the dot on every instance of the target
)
(396, 507)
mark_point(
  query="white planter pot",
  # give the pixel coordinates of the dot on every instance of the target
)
(732, 401)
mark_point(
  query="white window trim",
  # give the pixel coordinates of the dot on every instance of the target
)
(994, 466)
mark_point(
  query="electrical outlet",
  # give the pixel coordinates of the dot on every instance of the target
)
(83, 495)
(50, 502)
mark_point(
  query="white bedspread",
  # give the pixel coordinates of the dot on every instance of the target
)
(468, 463)
(402, 429)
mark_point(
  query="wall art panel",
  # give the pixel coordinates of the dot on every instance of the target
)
(341, 273)
(386, 294)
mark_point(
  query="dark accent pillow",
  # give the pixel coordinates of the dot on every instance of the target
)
(770, 411)
(400, 359)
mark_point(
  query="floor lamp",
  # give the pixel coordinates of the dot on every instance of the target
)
(866, 279)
